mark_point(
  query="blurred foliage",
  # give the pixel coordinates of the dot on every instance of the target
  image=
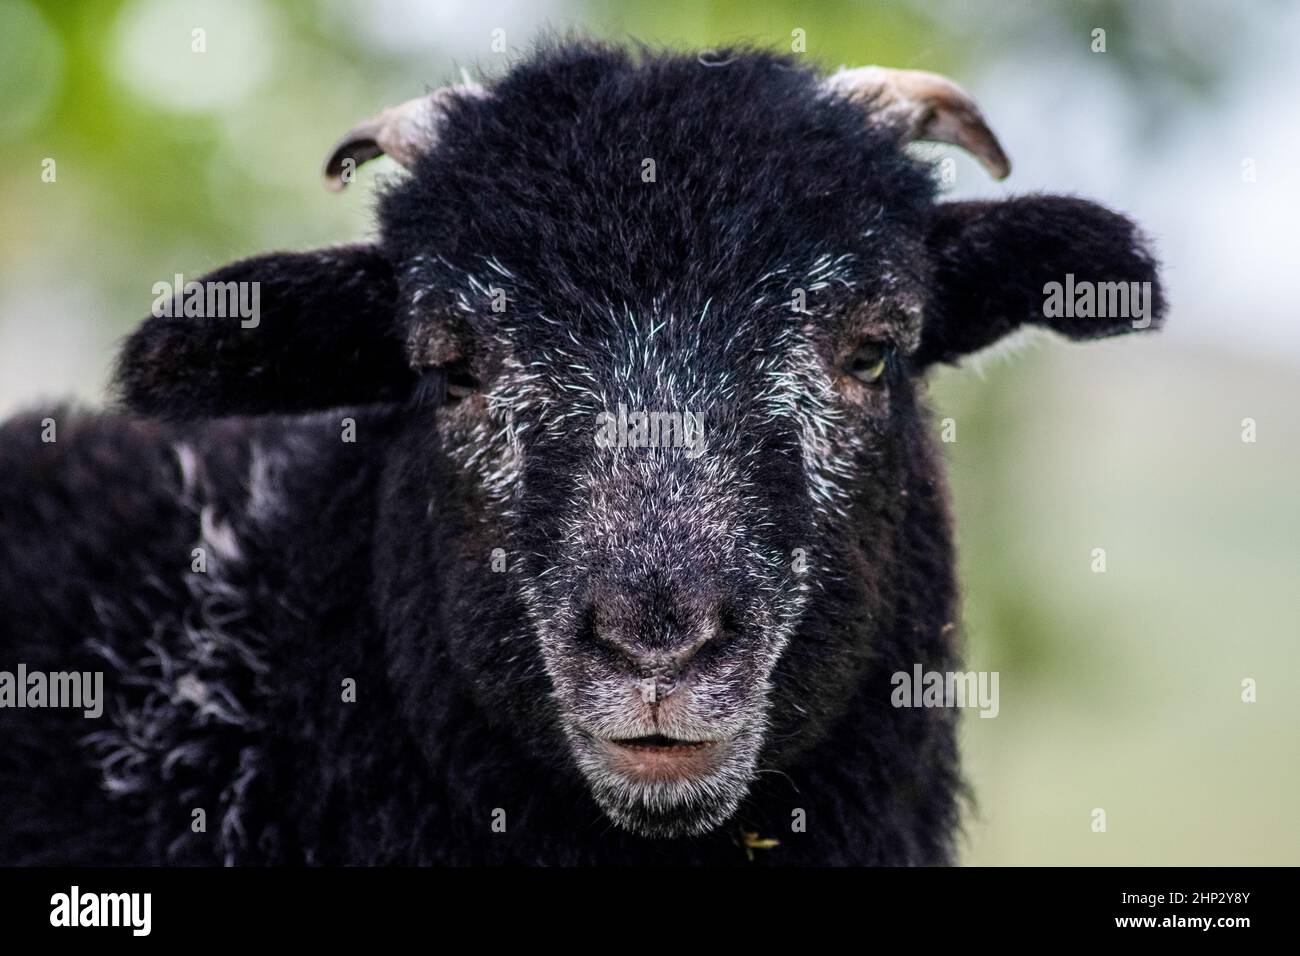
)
(1119, 690)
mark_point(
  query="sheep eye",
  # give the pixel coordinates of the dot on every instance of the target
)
(868, 363)
(446, 384)
(461, 382)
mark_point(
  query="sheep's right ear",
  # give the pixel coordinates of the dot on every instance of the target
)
(279, 333)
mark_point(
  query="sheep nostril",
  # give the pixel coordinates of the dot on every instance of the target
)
(638, 662)
(656, 656)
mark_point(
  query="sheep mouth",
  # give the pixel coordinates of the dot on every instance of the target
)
(661, 743)
(660, 786)
(657, 758)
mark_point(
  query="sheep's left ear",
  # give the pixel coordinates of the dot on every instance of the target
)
(1064, 264)
(276, 334)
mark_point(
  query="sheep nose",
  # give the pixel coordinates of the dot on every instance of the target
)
(655, 654)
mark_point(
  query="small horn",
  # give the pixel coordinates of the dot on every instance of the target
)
(924, 106)
(402, 132)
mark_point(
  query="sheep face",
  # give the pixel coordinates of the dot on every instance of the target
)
(667, 488)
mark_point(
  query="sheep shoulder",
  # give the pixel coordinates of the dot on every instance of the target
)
(178, 560)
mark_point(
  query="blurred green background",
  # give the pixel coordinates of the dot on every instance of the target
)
(1119, 690)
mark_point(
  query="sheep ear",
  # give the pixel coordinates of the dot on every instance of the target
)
(1061, 263)
(279, 333)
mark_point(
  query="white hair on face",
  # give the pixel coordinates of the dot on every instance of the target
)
(799, 388)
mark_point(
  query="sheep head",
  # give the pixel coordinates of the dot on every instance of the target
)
(654, 334)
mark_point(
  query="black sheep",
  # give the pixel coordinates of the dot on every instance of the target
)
(437, 619)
